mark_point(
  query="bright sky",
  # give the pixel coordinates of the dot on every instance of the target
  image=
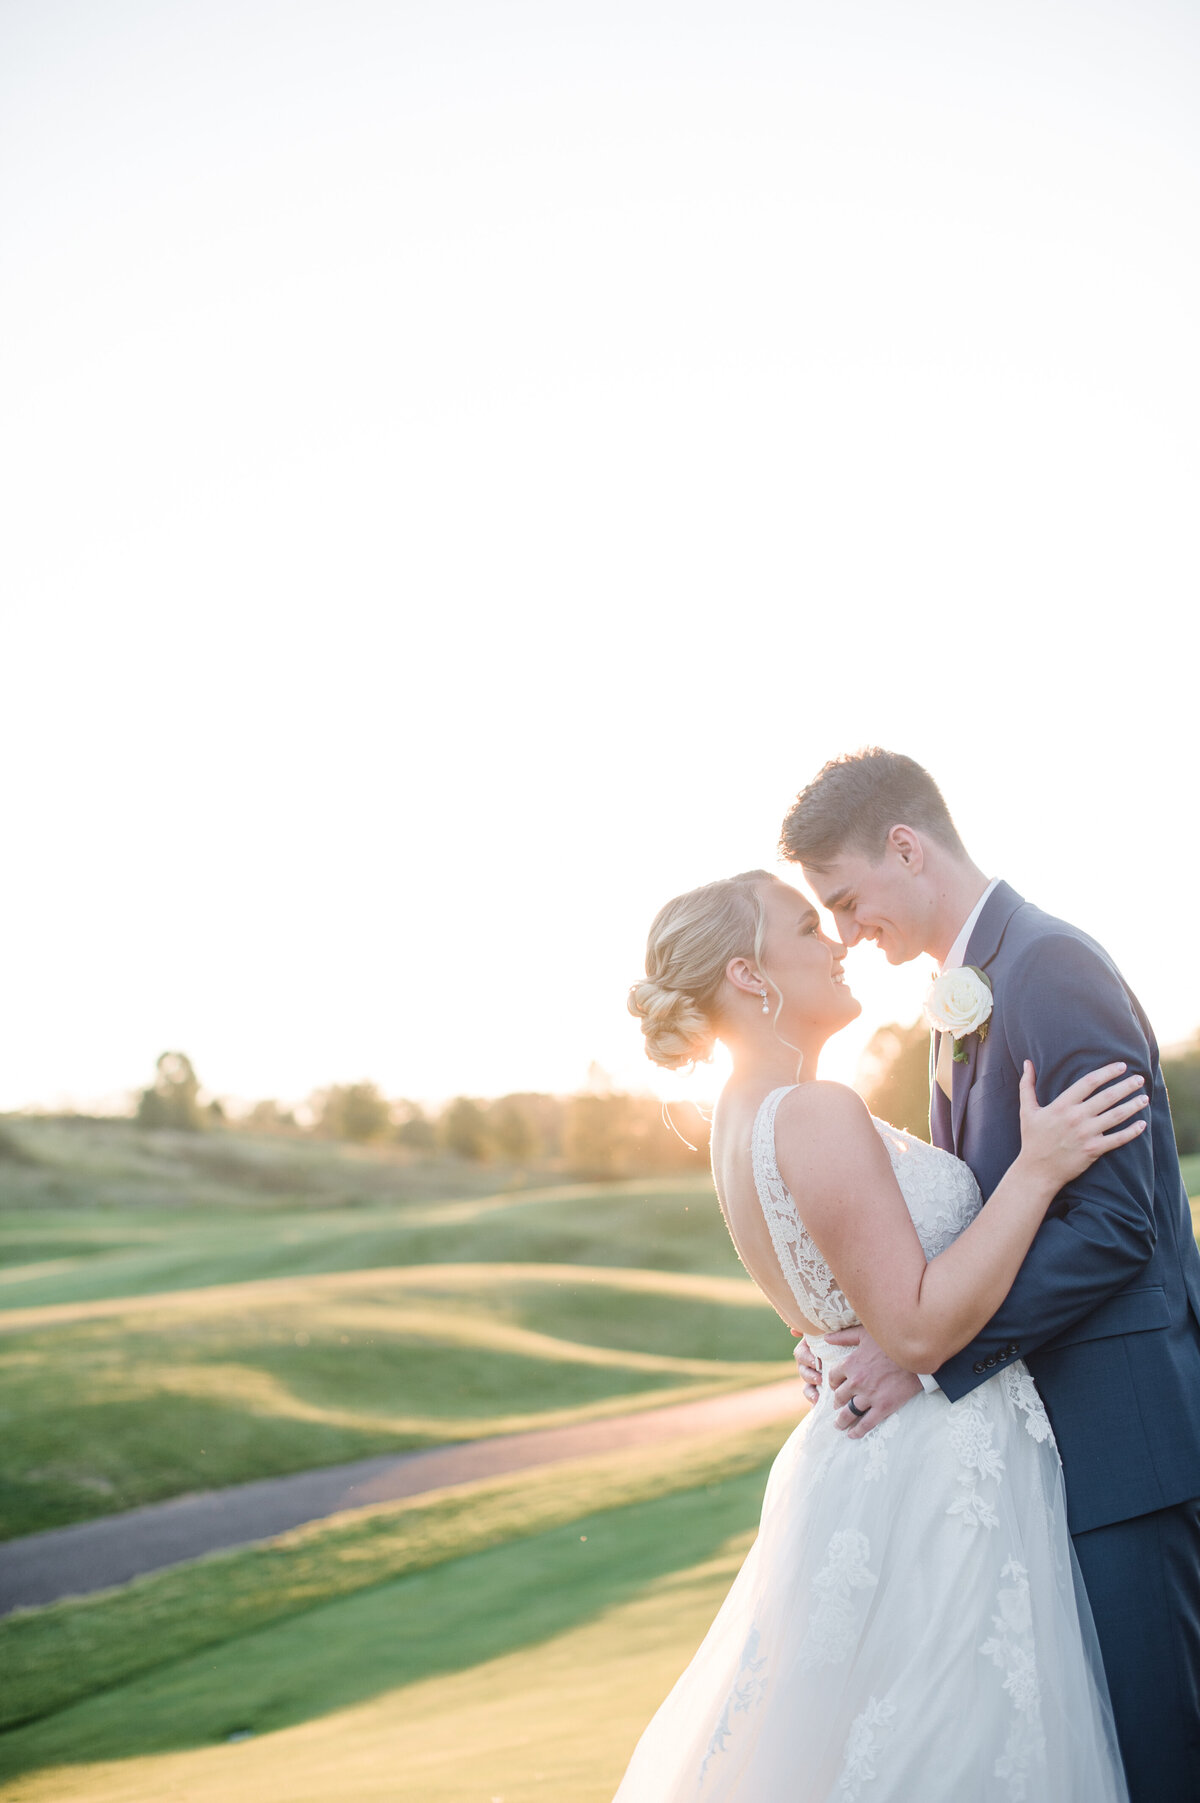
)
(467, 467)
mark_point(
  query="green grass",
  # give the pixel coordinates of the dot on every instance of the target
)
(166, 1323)
(422, 1628)
(65, 1255)
(161, 1330)
(638, 1514)
(88, 1164)
(658, 1226)
(550, 1720)
(104, 1209)
(111, 1404)
(181, 1311)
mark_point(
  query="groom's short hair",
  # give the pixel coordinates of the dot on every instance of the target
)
(856, 800)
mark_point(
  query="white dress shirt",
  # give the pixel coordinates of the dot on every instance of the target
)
(958, 951)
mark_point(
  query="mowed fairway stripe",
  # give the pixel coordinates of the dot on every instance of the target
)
(99, 1555)
(263, 1292)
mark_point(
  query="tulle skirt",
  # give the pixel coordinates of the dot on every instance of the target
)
(909, 1627)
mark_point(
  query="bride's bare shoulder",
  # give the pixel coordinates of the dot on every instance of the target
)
(819, 1104)
(824, 1128)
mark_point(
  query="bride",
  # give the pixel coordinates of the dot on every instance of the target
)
(909, 1626)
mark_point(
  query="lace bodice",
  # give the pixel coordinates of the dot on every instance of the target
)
(940, 1192)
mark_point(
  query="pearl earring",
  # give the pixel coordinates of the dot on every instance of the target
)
(766, 1008)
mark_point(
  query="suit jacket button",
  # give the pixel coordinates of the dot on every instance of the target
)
(978, 1366)
(990, 1360)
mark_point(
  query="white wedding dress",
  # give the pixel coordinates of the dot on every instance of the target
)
(908, 1626)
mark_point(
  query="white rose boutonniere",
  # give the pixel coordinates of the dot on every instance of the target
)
(959, 1003)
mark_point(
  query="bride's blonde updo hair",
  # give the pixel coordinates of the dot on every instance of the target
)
(691, 942)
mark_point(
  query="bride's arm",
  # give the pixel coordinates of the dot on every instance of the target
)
(838, 1171)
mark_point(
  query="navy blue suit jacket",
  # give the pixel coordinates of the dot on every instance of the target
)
(1106, 1307)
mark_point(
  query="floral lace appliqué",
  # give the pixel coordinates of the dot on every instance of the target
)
(831, 1625)
(875, 1447)
(1022, 1392)
(868, 1732)
(978, 1461)
(1010, 1649)
(809, 1278)
(748, 1690)
(939, 1191)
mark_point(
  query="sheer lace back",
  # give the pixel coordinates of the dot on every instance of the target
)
(939, 1191)
(809, 1278)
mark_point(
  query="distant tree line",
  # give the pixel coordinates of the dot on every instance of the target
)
(173, 1099)
(895, 1077)
(599, 1133)
(1182, 1072)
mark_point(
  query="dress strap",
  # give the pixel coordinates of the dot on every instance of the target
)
(763, 1140)
(779, 1210)
(807, 1275)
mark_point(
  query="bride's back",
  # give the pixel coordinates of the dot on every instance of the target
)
(733, 1175)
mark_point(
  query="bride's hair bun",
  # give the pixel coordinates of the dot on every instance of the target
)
(677, 1031)
(691, 942)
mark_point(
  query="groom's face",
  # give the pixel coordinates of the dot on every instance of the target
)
(880, 902)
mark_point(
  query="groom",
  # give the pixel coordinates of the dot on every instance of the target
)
(1106, 1307)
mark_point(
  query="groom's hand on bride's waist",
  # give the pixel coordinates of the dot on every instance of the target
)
(809, 1367)
(866, 1376)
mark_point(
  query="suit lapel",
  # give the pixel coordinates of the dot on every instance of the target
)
(964, 1076)
(982, 947)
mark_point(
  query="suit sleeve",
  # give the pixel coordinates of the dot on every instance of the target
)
(1068, 1011)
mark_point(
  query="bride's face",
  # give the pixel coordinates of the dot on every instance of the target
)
(803, 963)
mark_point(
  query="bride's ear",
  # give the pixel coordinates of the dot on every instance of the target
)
(742, 974)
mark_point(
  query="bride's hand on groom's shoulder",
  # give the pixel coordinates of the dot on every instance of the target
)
(1095, 1115)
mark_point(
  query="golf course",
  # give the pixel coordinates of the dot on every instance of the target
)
(183, 1312)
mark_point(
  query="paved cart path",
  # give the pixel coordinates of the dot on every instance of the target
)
(95, 1555)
